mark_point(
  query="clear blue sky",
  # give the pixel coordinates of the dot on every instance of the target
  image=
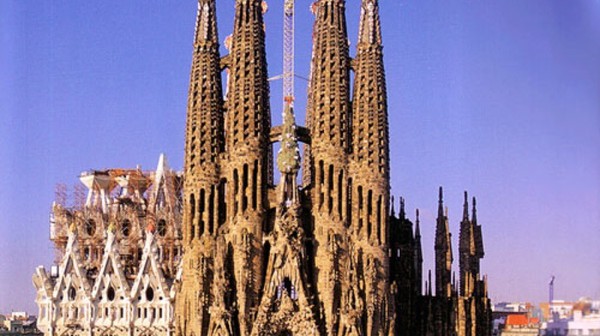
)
(501, 98)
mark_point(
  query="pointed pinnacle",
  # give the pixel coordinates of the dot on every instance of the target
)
(418, 226)
(206, 23)
(370, 25)
(402, 213)
(474, 210)
(466, 208)
(441, 203)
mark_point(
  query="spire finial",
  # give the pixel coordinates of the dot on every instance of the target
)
(474, 211)
(417, 225)
(370, 26)
(466, 208)
(206, 25)
(402, 213)
(441, 203)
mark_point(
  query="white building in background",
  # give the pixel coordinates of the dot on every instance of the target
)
(118, 256)
(582, 320)
(587, 325)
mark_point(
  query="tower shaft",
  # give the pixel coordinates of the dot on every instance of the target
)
(248, 174)
(326, 169)
(443, 253)
(203, 145)
(369, 161)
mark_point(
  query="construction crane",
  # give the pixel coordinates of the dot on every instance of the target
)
(288, 54)
(288, 51)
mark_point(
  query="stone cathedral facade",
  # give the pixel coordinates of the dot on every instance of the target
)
(222, 250)
(327, 256)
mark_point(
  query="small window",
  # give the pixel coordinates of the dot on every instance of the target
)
(110, 294)
(72, 293)
(149, 294)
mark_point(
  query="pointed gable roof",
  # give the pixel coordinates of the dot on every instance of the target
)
(71, 265)
(150, 266)
(110, 266)
(42, 282)
(164, 189)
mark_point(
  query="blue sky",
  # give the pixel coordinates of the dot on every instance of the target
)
(500, 98)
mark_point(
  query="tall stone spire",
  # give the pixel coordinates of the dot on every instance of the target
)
(325, 164)
(330, 77)
(204, 128)
(249, 158)
(418, 256)
(443, 253)
(465, 250)
(370, 137)
(203, 144)
(248, 109)
(369, 162)
(477, 240)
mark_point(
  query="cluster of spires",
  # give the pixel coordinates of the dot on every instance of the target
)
(470, 247)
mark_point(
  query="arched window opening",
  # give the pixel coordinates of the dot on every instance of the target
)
(72, 293)
(379, 222)
(90, 227)
(360, 208)
(320, 183)
(125, 227)
(340, 192)
(201, 206)
(222, 207)
(255, 185)
(330, 185)
(369, 213)
(236, 185)
(211, 210)
(287, 287)
(192, 215)
(161, 227)
(245, 187)
(349, 203)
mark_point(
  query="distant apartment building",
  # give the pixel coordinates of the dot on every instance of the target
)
(18, 323)
(563, 309)
(521, 325)
(515, 318)
(582, 319)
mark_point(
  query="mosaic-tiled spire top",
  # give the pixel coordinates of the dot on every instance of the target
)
(370, 25)
(206, 23)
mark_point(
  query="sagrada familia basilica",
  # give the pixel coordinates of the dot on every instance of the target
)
(220, 249)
